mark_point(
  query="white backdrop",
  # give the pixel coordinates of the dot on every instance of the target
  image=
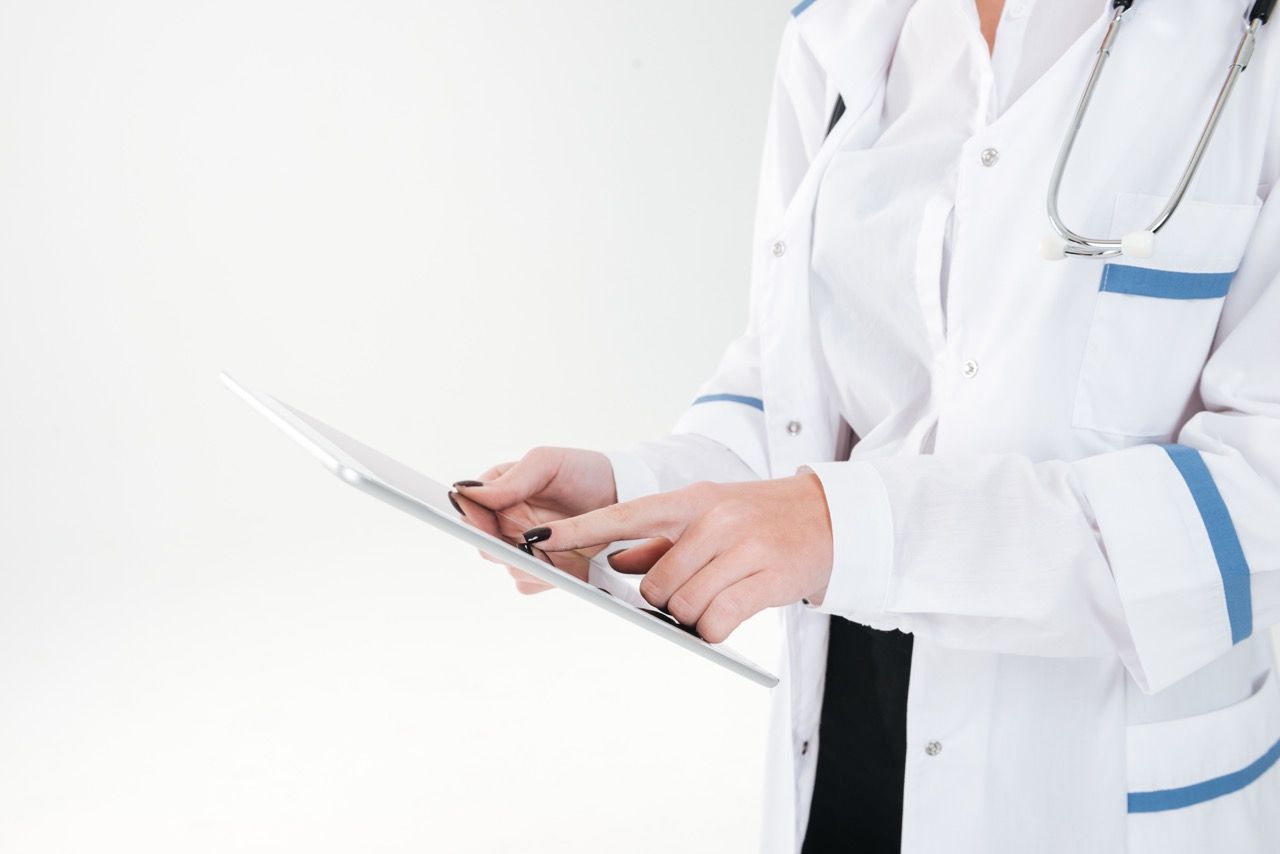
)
(455, 230)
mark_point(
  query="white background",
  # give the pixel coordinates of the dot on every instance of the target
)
(455, 230)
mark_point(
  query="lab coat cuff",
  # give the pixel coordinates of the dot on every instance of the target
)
(632, 477)
(737, 426)
(1162, 561)
(862, 539)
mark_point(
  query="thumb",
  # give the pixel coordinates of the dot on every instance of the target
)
(516, 483)
(640, 558)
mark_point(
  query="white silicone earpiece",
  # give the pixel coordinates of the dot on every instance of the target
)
(1053, 247)
(1138, 244)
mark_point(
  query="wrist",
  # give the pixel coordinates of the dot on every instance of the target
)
(818, 524)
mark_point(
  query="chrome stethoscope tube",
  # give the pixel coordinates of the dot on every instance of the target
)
(1140, 244)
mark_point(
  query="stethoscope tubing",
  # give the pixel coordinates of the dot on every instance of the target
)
(1064, 241)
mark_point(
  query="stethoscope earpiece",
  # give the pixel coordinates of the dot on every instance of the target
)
(1138, 244)
(1053, 247)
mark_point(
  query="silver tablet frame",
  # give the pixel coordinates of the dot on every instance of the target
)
(400, 486)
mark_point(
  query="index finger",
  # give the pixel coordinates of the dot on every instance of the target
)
(664, 515)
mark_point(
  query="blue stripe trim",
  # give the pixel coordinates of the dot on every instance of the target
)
(804, 4)
(1222, 535)
(731, 398)
(1165, 284)
(1197, 793)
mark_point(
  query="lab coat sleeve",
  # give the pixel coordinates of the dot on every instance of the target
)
(728, 410)
(674, 462)
(1166, 555)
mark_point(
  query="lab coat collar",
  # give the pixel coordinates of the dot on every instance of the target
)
(831, 29)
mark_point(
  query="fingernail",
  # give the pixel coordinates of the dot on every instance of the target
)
(463, 484)
(454, 502)
(666, 618)
(611, 555)
(525, 547)
(537, 535)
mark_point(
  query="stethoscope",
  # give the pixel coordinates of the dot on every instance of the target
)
(1062, 241)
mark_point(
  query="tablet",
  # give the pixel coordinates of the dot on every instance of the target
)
(420, 496)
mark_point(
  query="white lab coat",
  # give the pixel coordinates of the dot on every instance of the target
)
(1092, 668)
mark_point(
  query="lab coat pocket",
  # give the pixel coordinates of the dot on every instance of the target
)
(1154, 322)
(1208, 782)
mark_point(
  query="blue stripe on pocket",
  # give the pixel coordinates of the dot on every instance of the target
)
(804, 4)
(1185, 796)
(753, 402)
(1232, 565)
(1164, 284)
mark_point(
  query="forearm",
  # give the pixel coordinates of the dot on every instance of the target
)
(1139, 553)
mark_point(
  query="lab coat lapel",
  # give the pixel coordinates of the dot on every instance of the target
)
(853, 41)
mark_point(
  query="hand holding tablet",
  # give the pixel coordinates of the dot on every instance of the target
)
(584, 575)
(546, 485)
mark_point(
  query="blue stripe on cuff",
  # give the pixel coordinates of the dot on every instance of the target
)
(1222, 535)
(804, 4)
(1185, 796)
(755, 402)
(1165, 284)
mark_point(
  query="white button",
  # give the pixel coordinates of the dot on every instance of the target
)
(933, 748)
(794, 427)
(1016, 9)
(990, 157)
(969, 369)
(779, 249)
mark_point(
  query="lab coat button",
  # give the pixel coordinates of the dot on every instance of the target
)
(969, 369)
(990, 157)
(933, 748)
(779, 249)
(804, 748)
(794, 427)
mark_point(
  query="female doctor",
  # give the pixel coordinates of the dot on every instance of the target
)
(1021, 515)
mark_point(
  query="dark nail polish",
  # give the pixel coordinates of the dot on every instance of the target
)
(525, 547)
(465, 483)
(454, 502)
(612, 555)
(537, 535)
(666, 618)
